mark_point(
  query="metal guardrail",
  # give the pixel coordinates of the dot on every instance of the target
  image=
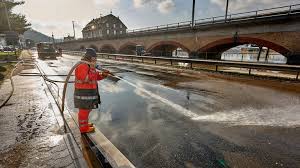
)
(288, 10)
(215, 63)
(250, 15)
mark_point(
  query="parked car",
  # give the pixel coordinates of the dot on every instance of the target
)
(6, 49)
(12, 48)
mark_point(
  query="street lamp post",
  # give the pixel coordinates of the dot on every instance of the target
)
(53, 40)
(193, 14)
(73, 29)
(226, 10)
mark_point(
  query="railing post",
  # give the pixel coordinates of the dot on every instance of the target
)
(216, 68)
(177, 24)
(249, 71)
(242, 57)
(131, 59)
(142, 60)
(167, 26)
(255, 14)
(115, 57)
(213, 19)
(156, 28)
(171, 62)
(290, 9)
(297, 77)
(191, 65)
(154, 61)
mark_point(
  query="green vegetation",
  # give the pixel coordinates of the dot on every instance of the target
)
(18, 22)
(5, 55)
(5, 70)
(18, 52)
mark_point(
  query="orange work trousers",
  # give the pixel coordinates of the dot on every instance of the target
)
(83, 119)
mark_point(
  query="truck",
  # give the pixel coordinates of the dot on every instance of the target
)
(47, 50)
(140, 51)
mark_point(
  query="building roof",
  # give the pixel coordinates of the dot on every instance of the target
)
(101, 21)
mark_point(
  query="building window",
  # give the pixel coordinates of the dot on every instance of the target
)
(121, 26)
(100, 33)
(114, 25)
(115, 32)
(121, 32)
(107, 25)
(107, 31)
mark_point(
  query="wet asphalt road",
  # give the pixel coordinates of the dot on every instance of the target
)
(162, 119)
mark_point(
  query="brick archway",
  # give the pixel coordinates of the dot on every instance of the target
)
(128, 48)
(82, 48)
(227, 43)
(94, 47)
(126, 45)
(108, 48)
(171, 43)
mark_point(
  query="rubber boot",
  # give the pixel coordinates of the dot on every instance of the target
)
(83, 117)
(88, 130)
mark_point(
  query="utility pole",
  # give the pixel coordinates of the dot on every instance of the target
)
(7, 17)
(73, 28)
(193, 14)
(53, 40)
(226, 10)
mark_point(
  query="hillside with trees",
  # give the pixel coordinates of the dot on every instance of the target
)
(10, 21)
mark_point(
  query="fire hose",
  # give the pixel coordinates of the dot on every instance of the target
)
(61, 108)
(12, 85)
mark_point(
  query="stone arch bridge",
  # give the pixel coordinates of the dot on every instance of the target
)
(280, 33)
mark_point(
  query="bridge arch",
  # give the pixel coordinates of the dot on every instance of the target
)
(108, 48)
(82, 48)
(128, 48)
(165, 48)
(216, 48)
(94, 47)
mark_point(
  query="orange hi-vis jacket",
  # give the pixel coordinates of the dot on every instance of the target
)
(86, 95)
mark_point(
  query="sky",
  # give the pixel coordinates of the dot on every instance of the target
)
(56, 16)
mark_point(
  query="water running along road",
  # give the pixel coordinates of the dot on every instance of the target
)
(162, 119)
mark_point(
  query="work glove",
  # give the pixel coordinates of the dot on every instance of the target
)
(98, 67)
(105, 73)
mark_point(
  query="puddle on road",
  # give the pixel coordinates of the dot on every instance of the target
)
(151, 121)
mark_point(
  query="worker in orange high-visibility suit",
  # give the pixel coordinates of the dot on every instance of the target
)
(86, 95)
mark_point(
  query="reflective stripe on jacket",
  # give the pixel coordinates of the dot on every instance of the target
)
(86, 94)
(86, 77)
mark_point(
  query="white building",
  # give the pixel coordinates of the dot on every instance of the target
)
(104, 26)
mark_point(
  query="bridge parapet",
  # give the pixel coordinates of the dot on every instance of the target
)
(275, 28)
